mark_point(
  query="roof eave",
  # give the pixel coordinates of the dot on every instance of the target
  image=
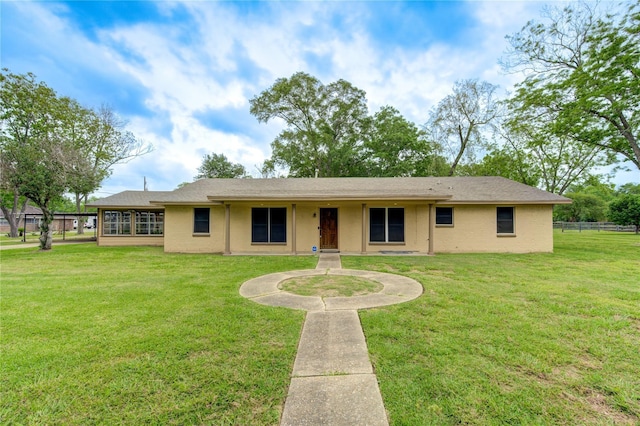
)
(504, 202)
(327, 198)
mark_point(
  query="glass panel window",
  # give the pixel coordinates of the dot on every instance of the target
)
(149, 223)
(377, 225)
(201, 220)
(116, 222)
(505, 220)
(269, 225)
(278, 225)
(444, 215)
(395, 219)
(386, 225)
(260, 225)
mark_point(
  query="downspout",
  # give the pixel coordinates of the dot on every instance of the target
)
(293, 229)
(227, 229)
(432, 226)
(364, 229)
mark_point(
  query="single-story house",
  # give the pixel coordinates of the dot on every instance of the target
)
(33, 217)
(421, 215)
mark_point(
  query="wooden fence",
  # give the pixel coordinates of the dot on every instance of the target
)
(592, 226)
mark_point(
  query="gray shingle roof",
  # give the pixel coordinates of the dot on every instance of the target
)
(487, 190)
(447, 190)
(130, 199)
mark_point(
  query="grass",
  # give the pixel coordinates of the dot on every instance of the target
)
(513, 339)
(330, 286)
(95, 335)
(33, 237)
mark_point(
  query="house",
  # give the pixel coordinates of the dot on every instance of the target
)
(421, 215)
(33, 217)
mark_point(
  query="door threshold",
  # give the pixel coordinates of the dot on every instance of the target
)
(329, 251)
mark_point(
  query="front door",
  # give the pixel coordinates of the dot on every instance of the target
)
(328, 228)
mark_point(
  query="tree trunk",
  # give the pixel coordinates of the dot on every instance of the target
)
(13, 217)
(81, 219)
(46, 234)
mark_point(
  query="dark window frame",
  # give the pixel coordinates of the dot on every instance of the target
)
(268, 225)
(442, 218)
(390, 231)
(505, 220)
(201, 220)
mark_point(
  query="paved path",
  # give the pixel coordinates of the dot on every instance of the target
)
(333, 381)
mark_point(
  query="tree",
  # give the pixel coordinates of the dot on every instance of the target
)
(506, 162)
(559, 161)
(12, 204)
(459, 120)
(13, 207)
(101, 141)
(584, 71)
(625, 210)
(584, 208)
(325, 125)
(629, 188)
(218, 166)
(32, 145)
(396, 147)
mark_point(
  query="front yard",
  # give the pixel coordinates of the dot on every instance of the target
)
(96, 335)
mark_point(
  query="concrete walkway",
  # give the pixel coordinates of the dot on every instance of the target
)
(333, 381)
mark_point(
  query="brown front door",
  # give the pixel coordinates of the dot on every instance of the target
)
(328, 228)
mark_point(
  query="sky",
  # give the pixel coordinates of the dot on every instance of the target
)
(182, 73)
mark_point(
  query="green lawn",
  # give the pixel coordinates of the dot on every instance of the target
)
(96, 335)
(34, 237)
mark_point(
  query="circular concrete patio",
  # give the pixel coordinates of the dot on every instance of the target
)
(396, 289)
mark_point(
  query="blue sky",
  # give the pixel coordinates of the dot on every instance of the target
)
(182, 73)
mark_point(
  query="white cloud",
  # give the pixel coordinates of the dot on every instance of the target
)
(205, 60)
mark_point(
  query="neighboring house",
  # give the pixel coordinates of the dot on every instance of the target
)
(33, 217)
(351, 215)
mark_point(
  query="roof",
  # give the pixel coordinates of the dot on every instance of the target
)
(132, 199)
(30, 210)
(36, 211)
(443, 190)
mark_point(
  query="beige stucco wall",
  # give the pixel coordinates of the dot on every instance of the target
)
(178, 230)
(474, 230)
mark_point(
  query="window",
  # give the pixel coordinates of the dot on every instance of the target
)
(386, 225)
(504, 217)
(444, 215)
(149, 223)
(269, 225)
(116, 222)
(200, 220)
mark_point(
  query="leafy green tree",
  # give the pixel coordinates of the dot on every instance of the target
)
(218, 166)
(101, 140)
(584, 208)
(460, 121)
(32, 145)
(506, 162)
(596, 185)
(325, 125)
(51, 145)
(629, 188)
(396, 147)
(583, 72)
(625, 210)
(63, 204)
